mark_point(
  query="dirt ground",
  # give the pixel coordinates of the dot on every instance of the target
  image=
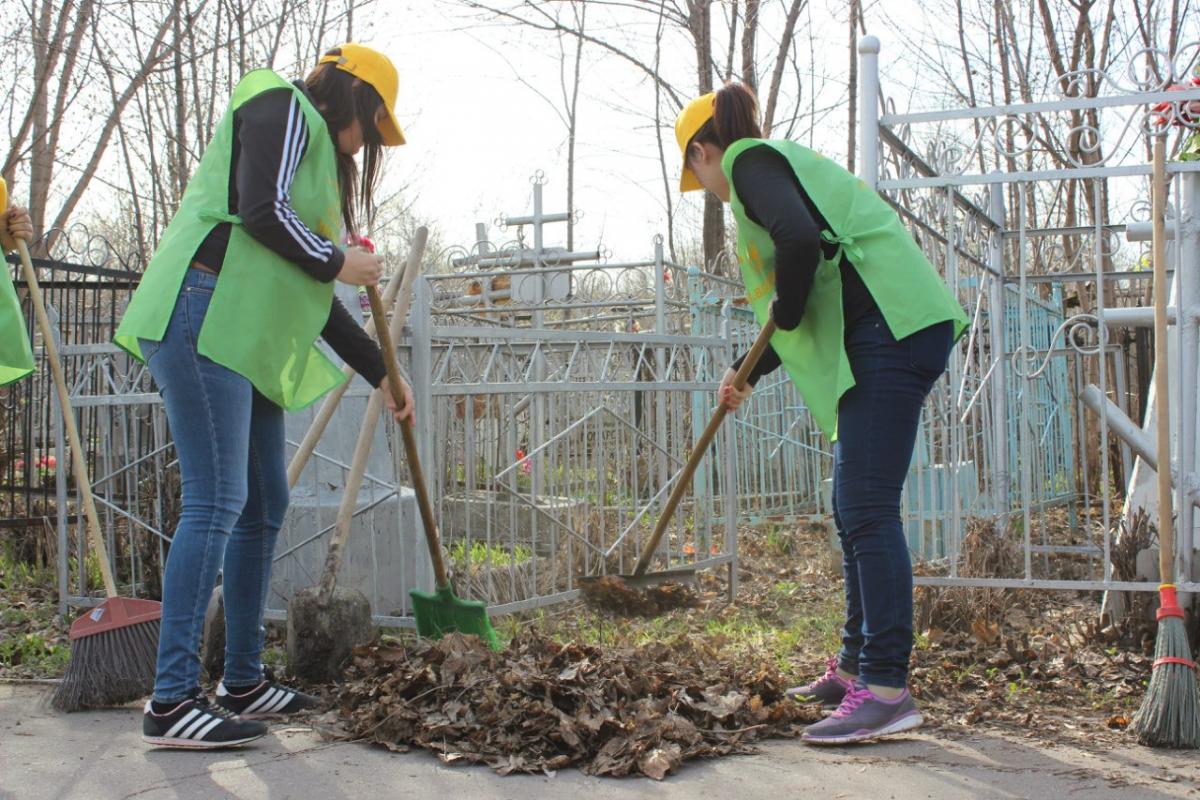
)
(1036, 671)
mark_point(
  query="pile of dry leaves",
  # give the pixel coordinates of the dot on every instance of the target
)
(540, 706)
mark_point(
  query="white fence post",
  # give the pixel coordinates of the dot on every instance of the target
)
(868, 109)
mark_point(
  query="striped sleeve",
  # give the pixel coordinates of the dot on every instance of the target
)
(272, 139)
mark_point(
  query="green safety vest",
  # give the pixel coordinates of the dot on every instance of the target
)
(910, 293)
(266, 313)
(16, 358)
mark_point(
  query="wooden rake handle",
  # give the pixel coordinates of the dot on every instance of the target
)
(410, 445)
(701, 447)
(1162, 383)
(82, 480)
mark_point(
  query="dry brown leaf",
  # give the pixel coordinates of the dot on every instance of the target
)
(986, 632)
(660, 761)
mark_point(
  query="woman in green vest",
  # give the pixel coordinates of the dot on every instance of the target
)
(865, 328)
(226, 318)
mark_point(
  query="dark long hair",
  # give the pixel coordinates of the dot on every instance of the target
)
(735, 116)
(342, 98)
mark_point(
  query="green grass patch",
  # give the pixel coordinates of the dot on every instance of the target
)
(482, 554)
(35, 653)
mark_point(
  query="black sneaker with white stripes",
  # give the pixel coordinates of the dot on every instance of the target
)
(268, 700)
(195, 724)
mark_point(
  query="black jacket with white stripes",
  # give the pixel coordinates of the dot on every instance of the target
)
(269, 139)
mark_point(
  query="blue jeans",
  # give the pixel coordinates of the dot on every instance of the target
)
(877, 428)
(230, 443)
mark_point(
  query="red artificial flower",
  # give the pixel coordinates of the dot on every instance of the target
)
(1181, 113)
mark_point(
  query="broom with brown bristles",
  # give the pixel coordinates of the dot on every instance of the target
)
(114, 646)
(1170, 713)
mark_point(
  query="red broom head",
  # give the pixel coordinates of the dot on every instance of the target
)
(113, 613)
(1169, 607)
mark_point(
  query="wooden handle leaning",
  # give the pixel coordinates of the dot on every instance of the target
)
(697, 455)
(82, 481)
(345, 514)
(1162, 383)
(432, 539)
(400, 285)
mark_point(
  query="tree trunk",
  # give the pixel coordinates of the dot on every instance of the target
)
(700, 23)
(572, 122)
(749, 35)
(669, 187)
(781, 55)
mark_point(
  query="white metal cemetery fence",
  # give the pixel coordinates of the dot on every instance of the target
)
(562, 393)
(549, 442)
(1029, 403)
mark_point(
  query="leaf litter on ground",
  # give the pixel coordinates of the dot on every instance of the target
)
(619, 691)
(541, 706)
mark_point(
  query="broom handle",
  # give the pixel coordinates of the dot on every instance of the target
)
(697, 455)
(400, 285)
(1162, 390)
(410, 447)
(82, 481)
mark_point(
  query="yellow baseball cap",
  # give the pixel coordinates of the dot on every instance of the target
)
(376, 69)
(690, 120)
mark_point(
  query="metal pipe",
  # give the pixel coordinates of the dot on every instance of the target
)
(1142, 231)
(999, 390)
(537, 218)
(1043, 583)
(1018, 109)
(60, 493)
(1188, 255)
(1033, 176)
(868, 109)
(526, 259)
(422, 365)
(1125, 429)
(1087, 277)
(1136, 317)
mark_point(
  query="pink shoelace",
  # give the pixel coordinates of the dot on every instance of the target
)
(831, 666)
(855, 697)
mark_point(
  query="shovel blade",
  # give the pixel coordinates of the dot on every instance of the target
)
(440, 612)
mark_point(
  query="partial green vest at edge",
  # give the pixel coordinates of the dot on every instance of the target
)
(906, 286)
(16, 356)
(266, 313)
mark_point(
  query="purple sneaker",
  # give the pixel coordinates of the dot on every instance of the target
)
(862, 715)
(828, 690)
